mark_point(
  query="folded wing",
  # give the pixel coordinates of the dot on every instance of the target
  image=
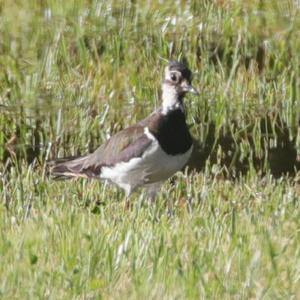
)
(126, 144)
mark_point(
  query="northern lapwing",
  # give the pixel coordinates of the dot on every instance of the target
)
(147, 153)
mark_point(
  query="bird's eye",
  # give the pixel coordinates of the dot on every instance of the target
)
(173, 77)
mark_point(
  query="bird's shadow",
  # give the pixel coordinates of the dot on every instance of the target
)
(273, 151)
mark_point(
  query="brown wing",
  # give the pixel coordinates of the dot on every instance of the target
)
(126, 144)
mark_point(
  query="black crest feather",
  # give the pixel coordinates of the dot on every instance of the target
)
(182, 68)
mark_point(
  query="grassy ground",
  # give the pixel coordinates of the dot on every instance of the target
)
(74, 72)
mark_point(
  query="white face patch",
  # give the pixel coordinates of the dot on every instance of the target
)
(170, 97)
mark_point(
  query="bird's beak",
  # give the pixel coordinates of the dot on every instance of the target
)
(190, 89)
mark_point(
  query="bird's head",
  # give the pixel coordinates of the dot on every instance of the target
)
(177, 82)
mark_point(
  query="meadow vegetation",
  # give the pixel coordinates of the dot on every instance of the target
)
(72, 73)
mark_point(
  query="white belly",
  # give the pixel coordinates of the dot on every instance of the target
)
(154, 166)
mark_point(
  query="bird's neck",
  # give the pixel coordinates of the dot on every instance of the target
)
(171, 99)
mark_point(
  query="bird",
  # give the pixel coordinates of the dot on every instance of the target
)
(145, 154)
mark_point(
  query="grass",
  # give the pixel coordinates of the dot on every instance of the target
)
(72, 73)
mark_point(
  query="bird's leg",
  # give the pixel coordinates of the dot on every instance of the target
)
(127, 204)
(128, 191)
(152, 190)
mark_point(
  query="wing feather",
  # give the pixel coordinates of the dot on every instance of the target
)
(126, 144)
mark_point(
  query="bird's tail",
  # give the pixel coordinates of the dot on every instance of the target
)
(67, 168)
